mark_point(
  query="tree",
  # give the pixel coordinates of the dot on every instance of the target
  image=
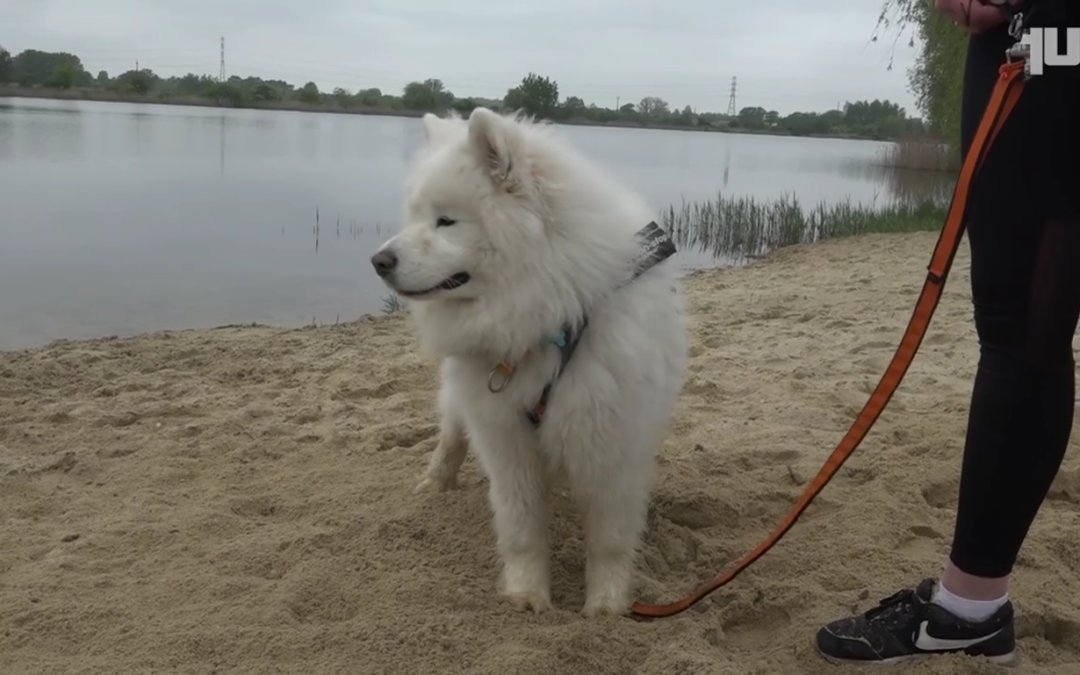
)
(573, 108)
(464, 106)
(102, 78)
(369, 98)
(752, 117)
(33, 67)
(309, 94)
(5, 65)
(806, 124)
(342, 96)
(137, 81)
(225, 93)
(264, 93)
(64, 76)
(193, 85)
(536, 96)
(418, 96)
(652, 107)
(443, 97)
(937, 77)
(428, 96)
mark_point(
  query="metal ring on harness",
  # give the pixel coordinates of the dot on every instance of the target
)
(505, 372)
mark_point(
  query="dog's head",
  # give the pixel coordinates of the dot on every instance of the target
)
(508, 233)
(472, 207)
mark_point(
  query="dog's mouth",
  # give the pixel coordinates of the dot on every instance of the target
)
(449, 284)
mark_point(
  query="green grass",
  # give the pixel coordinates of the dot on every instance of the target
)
(744, 228)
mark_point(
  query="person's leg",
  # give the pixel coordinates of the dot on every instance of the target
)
(1024, 232)
(1021, 412)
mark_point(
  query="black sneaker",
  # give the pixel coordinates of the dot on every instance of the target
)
(907, 627)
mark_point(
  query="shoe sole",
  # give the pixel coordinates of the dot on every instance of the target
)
(1009, 660)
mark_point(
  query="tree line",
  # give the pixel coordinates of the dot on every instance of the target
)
(536, 95)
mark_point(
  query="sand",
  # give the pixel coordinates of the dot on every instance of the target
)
(239, 500)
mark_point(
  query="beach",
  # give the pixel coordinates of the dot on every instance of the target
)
(240, 500)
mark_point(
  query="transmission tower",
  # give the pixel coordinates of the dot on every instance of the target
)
(221, 71)
(731, 110)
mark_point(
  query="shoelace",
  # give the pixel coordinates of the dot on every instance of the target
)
(899, 600)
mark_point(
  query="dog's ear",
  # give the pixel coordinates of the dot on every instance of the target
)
(497, 143)
(435, 128)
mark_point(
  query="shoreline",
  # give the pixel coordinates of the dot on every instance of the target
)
(98, 96)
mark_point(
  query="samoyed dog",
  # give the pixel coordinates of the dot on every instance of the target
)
(545, 289)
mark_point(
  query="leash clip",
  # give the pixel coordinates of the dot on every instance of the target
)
(1019, 51)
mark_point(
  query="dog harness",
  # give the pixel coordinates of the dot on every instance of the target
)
(656, 246)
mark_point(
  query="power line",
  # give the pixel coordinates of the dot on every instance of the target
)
(731, 110)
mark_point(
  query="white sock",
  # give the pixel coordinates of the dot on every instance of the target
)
(971, 610)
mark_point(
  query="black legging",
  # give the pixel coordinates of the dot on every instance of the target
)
(1024, 234)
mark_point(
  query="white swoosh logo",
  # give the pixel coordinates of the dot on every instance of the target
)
(929, 643)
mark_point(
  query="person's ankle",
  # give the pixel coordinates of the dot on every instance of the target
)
(968, 596)
(966, 608)
(972, 587)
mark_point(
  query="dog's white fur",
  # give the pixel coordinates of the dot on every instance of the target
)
(547, 238)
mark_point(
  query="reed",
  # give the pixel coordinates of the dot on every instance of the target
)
(392, 304)
(920, 154)
(743, 228)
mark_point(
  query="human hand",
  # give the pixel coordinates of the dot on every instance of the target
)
(974, 15)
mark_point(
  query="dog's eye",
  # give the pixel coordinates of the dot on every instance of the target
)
(443, 221)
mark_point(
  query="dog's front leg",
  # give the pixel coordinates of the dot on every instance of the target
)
(449, 454)
(519, 499)
(611, 481)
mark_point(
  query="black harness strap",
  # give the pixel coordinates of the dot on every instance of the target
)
(656, 246)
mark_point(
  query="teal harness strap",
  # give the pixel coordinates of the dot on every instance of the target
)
(656, 246)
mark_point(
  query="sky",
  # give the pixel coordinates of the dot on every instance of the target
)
(785, 55)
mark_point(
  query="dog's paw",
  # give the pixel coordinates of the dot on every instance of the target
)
(606, 605)
(536, 601)
(608, 587)
(436, 484)
(526, 585)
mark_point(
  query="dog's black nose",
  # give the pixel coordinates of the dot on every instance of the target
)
(384, 262)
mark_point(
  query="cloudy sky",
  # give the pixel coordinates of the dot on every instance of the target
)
(787, 54)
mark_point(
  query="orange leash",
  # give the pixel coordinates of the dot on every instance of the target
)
(1002, 101)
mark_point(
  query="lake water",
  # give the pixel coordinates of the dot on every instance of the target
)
(121, 218)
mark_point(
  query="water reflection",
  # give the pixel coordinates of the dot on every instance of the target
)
(51, 134)
(7, 135)
(221, 144)
(906, 185)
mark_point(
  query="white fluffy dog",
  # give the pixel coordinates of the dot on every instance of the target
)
(543, 287)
